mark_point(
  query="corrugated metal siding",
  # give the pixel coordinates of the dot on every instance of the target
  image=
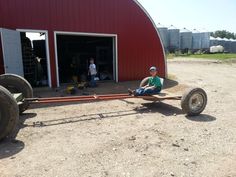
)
(138, 44)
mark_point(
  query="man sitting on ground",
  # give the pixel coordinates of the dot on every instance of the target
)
(153, 87)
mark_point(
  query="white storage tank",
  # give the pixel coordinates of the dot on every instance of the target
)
(217, 49)
(163, 31)
(196, 40)
(185, 39)
(205, 39)
(174, 40)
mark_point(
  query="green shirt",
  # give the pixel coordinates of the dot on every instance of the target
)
(155, 81)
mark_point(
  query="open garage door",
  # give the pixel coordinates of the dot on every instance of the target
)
(75, 50)
(12, 54)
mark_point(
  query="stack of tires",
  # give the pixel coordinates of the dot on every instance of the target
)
(9, 108)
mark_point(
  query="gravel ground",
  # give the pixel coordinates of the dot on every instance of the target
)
(131, 137)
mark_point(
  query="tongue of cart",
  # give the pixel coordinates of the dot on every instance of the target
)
(18, 97)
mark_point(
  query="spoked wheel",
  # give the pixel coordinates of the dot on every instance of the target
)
(9, 113)
(194, 101)
(17, 84)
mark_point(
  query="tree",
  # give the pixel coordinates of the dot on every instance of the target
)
(224, 34)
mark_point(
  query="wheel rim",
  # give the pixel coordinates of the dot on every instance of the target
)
(196, 102)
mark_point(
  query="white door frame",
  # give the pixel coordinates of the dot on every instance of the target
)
(47, 50)
(115, 49)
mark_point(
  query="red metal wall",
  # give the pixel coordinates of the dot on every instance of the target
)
(139, 46)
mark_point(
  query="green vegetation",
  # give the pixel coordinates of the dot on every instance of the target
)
(224, 34)
(218, 56)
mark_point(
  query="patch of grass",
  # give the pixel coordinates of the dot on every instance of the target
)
(217, 56)
(221, 56)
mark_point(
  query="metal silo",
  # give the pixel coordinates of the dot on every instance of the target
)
(213, 41)
(174, 40)
(196, 40)
(163, 31)
(205, 39)
(227, 45)
(220, 41)
(185, 39)
(233, 46)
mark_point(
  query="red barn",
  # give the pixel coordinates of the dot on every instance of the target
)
(118, 34)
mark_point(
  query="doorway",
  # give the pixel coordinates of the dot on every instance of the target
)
(26, 53)
(35, 58)
(77, 49)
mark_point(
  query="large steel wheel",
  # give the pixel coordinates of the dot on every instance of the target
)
(17, 84)
(194, 101)
(9, 113)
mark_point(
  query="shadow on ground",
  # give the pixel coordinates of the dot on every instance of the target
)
(169, 83)
(160, 107)
(10, 148)
(202, 118)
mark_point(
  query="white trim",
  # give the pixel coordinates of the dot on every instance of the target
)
(154, 25)
(115, 54)
(85, 34)
(114, 36)
(56, 59)
(3, 54)
(47, 50)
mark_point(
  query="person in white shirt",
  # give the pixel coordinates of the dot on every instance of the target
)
(92, 72)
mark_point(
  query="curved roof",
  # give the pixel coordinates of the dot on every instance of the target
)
(138, 37)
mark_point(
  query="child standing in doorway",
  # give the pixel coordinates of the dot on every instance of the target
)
(92, 72)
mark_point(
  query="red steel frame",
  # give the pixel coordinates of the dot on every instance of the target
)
(96, 98)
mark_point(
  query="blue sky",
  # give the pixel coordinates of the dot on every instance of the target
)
(211, 15)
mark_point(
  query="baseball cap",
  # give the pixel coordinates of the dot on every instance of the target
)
(153, 68)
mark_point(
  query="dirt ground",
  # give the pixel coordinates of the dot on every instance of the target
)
(131, 138)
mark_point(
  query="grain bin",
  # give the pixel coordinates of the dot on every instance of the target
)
(196, 40)
(233, 46)
(163, 31)
(220, 41)
(213, 41)
(174, 40)
(227, 45)
(185, 39)
(205, 40)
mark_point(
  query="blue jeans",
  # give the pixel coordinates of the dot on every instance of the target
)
(92, 81)
(146, 92)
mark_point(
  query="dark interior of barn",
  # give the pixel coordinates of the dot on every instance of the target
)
(34, 60)
(74, 53)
